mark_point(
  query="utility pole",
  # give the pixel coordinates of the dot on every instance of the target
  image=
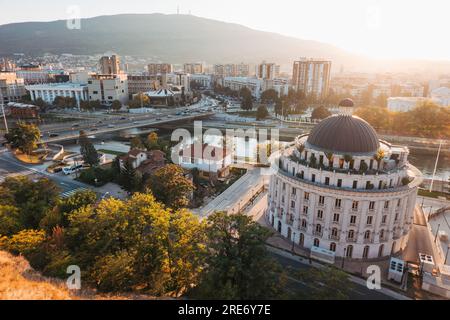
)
(3, 111)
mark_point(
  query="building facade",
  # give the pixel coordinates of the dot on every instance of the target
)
(109, 65)
(237, 83)
(330, 192)
(108, 87)
(312, 76)
(267, 71)
(49, 91)
(205, 81)
(143, 83)
(12, 88)
(193, 68)
(159, 68)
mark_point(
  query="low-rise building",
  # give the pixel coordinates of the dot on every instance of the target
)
(204, 81)
(23, 111)
(237, 83)
(143, 83)
(210, 161)
(49, 91)
(145, 162)
(404, 104)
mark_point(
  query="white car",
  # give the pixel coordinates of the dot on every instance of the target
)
(72, 169)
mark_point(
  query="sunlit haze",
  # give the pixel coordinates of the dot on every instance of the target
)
(377, 28)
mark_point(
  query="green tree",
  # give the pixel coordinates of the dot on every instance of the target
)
(268, 96)
(88, 151)
(9, 220)
(26, 242)
(247, 103)
(136, 143)
(378, 157)
(129, 179)
(170, 186)
(320, 113)
(116, 105)
(262, 113)
(238, 265)
(24, 137)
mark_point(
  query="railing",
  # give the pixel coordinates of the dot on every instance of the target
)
(367, 241)
(336, 238)
(353, 240)
(318, 233)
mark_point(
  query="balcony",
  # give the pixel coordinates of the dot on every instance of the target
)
(335, 238)
(318, 233)
(304, 229)
(368, 241)
(352, 240)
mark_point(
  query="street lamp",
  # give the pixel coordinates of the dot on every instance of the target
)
(343, 258)
(446, 256)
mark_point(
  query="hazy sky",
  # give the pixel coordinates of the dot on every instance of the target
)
(379, 28)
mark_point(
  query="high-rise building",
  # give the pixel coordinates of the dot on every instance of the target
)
(12, 88)
(159, 68)
(267, 71)
(231, 70)
(193, 68)
(312, 76)
(109, 65)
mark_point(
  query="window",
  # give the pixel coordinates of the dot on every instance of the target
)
(327, 181)
(355, 184)
(351, 234)
(355, 205)
(336, 217)
(334, 232)
(320, 214)
(366, 252)
(372, 205)
(396, 217)
(333, 247)
(384, 219)
(367, 235)
(282, 199)
(319, 228)
(292, 204)
(95, 92)
(316, 242)
(382, 234)
(306, 196)
(339, 183)
(305, 210)
(338, 203)
(284, 186)
(294, 191)
(380, 185)
(304, 224)
(313, 178)
(321, 200)
(399, 203)
(386, 205)
(369, 220)
(302, 175)
(352, 219)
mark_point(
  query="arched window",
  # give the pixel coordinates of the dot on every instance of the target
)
(302, 240)
(381, 251)
(349, 252)
(318, 228)
(316, 242)
(304, 223)
(367, 235)
(333, 247)
(366, 252)
(334, 232)
(351, 234)
(289, 234)
(382, 234)
(279, 226)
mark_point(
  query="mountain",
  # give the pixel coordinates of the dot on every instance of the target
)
(178, 39)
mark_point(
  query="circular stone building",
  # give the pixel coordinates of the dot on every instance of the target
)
(344, 190)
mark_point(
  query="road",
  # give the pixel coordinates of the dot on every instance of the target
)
(10, 166)
(358, 292)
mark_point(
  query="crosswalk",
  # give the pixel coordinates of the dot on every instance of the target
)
(70, 193)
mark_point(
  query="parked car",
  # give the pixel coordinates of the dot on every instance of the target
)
(72, 169)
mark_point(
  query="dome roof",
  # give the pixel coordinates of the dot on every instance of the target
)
(344, 134)
(347, 103)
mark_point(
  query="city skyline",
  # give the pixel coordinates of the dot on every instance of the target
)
(371, 28)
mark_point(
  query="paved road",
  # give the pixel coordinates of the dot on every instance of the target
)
(10, 166)
(359, 292)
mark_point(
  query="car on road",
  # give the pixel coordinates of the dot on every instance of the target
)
(72, 169)
(111, 126)
(53, 135)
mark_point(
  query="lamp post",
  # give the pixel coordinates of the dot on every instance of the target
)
(446, 256)
(343, 258)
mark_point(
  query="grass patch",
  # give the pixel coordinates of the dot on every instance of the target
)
(433, 194)
(111, 152)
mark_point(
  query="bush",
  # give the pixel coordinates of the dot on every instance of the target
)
(103, 176)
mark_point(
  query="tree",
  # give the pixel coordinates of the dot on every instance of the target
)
(279, 107)
(26, 241)
(88, 151)
(238, 265)
(170, 186)
(268, 96)
(140, 100)
(116, 105)
(129, 178)
(136, 143)
(9, 220)
(24, 137)
(152, 142)
(378, 157)
(33, 199)
(262, 113)
(247, 103)
(320, 113)
(327, 283)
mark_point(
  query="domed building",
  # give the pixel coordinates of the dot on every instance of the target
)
(343, 190)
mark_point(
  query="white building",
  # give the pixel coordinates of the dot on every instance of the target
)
(209, 160)
(358, 209)
(441, 96)
(237, 83)
(108, 87)
(203, 80)
(49, 91)
(404, 104)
